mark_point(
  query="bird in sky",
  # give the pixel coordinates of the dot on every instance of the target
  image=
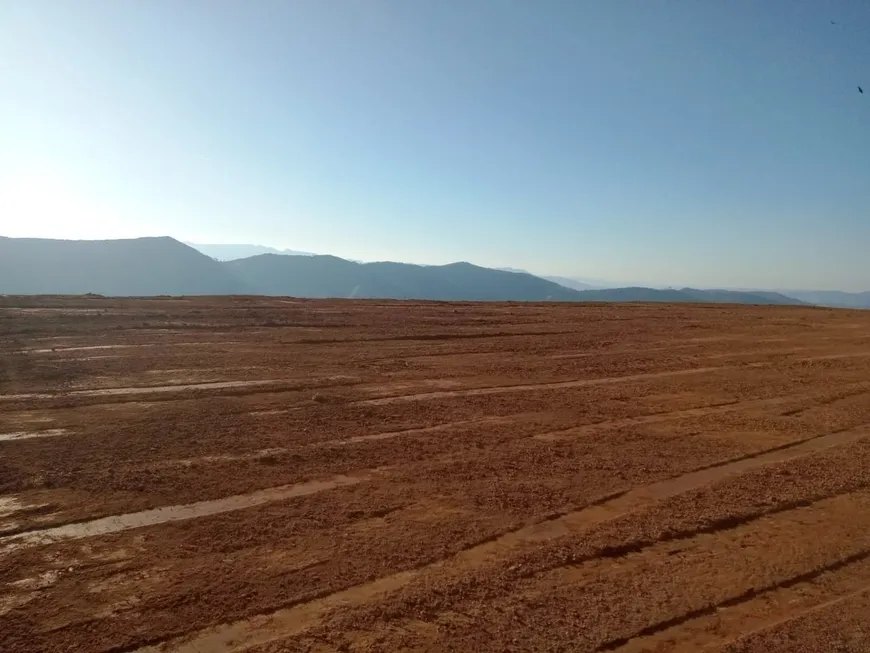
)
(860, 90)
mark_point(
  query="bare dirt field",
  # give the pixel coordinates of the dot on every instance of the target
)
(271, 475)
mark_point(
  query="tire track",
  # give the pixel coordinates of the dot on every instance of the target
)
(27, 435)
(667, 416)
(579, 383)
(793, 616)
(201, 343)
(831, 357)
(641, 497)
(389, 435)
(162, 515)
(761, 593)
(505, 389)
(827, 402)
(326, 444)
(425, 337)
(292, 619)
(715, 527)
(683, 347)
(60, 350)
(270, 385)
(554, 526)
(264, 454)
(676, 345)
(695, 632)
(263, 629)
(141, 390)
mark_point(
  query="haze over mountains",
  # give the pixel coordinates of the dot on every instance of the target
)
(836, 298)
(165, 266)
(233, 251)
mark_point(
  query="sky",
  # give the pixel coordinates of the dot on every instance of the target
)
(714, 144)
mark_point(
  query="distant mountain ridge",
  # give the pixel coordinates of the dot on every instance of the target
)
(165, 266)
(641, 294)
(568, 282)
(833, 298)
(130, 267)
(329, 276)
(232, 252)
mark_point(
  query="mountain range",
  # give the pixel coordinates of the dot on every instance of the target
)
(329, 276)
(165, 266)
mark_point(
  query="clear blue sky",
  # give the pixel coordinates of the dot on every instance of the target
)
(707, 143)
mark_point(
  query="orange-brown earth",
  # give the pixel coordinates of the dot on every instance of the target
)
(265, 475)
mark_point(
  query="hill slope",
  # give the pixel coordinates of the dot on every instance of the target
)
(639, 294)
(740, 297)
(140, 266)
(328, 276)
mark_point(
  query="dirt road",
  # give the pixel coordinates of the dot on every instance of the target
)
(265, 475)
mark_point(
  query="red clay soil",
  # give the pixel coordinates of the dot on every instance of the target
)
(250, 474)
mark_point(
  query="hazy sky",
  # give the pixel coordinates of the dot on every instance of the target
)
(708, 143)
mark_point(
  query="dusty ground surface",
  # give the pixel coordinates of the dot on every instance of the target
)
(265, 475)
